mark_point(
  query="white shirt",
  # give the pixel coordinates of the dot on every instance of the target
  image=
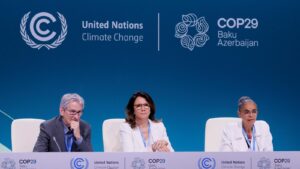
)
(132, 141)
(234, 140)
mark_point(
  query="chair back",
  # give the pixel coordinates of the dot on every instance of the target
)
(24, 133)
(213, 132)
(111, 135)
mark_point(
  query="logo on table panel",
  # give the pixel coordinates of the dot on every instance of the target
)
(138, 163)
(8, 164)
(264, 163)
(79, 163)
(206, 163)
(192, 31)
(43, 30)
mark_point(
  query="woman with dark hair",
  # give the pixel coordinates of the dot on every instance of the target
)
(141, 132)
(247, 134)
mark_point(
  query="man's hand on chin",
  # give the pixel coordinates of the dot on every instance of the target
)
(76, 129)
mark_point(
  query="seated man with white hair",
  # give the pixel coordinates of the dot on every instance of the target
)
(65, 132)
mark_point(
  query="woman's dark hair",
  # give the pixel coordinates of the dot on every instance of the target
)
(130, 116)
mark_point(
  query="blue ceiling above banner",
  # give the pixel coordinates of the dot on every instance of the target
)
(195, 58)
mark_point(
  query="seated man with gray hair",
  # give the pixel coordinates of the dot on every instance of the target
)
(65, 132)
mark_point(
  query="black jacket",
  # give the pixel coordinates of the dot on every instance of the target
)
(52, 139)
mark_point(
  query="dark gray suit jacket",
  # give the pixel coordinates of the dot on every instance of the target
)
(52, 139)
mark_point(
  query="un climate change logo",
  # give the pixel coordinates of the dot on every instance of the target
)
(189, 22)
(79, 163)
(206, 163)
(44, 37)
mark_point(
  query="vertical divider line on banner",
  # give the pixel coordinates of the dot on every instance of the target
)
(158, 32)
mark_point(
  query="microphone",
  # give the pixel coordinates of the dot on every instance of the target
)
(6, 115)
(54, 139)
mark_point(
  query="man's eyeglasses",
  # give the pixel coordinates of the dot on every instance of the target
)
(74, 112)
(139, 106)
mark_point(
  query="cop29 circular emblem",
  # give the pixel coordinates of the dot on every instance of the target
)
(40, 35)
(184, 31)
(8, 164)
(138, 163)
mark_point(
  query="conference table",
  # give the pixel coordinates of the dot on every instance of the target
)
(176, 160)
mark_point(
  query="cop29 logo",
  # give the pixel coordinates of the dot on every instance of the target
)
(184, 30)
(8, 164)
(38, 28)
(264, 163)
(138, 163)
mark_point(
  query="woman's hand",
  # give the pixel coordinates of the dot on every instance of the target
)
(160, 146)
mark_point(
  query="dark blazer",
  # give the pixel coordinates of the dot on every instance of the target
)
(52, 139)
